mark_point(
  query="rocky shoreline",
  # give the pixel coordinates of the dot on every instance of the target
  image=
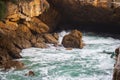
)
(116, 75)
(32, 23)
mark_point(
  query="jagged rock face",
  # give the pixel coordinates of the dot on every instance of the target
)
(13, 64)
(25, 9)
(73, 40)
(116, 74)
(49, 38)
(51, 17)
(82, 12)
(15, 37)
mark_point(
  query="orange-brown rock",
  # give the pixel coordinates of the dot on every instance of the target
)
(68, 48)
(84, 12)
(7, 27)
(49, 38)
(4, 56)
(25, 9)
(13, 64)
(30, 73)
(20, 27)
(12, 50)
(73, 40)
(37, 26)
(56, 36)
(40, 45)
(51, 17)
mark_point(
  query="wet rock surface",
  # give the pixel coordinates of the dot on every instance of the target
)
(116, 74)
(30, 73)
(21, 28)
(13, 64)
(27, 23)
(73, 40)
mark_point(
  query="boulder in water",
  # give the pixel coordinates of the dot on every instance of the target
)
(30, 73)
(73, 40)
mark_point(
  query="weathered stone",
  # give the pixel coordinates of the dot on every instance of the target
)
(84, 12)
(50, 39)
(73, 40)
(68, 48)
(51, 17)
(116, 74)
(23, 31)
(22, 43)
(40, 45)
(37, 26)
(19, 28)
(56, 36)
(40, 39)
(30, 73)
(12, 50)
(25, 9)
(7, 27)
(11, 25)
(33, 40)
(12, 11)
(13, 64)
(4, 55)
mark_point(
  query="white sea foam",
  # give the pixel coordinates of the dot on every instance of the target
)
(57, 63)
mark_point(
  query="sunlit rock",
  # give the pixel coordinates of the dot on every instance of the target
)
(73, 40)
(25, 9)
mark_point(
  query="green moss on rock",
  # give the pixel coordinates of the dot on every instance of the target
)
(2, 9)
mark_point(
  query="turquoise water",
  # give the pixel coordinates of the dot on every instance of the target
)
(57, 63)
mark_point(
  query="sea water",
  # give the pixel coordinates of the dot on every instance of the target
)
(93, 62)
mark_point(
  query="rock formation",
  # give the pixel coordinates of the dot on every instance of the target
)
(13, 64)
(73, 40)
(21, 28)
(116, 74)
(29, 23)
(30, 73)
(88, 15)
(25, 9)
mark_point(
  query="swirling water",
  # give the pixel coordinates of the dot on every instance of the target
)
(57, 63)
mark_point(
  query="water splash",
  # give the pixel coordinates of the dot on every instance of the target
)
(57, 63)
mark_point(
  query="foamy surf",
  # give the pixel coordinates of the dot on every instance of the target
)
(57, 63)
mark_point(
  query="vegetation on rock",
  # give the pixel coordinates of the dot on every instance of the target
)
(2, 9)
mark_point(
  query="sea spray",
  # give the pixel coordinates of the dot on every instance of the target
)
(57, 63)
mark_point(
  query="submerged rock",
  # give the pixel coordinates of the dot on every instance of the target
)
(73, 40)
(30, 73)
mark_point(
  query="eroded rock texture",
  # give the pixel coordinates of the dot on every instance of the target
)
(73, 40)
(21, 28)
(25, 9)
(116, 74)
(27, 23)
(94, 15)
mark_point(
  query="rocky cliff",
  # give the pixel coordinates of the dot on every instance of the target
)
(28, 23)
(24, 24)
(116, 74)
(88, 12)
